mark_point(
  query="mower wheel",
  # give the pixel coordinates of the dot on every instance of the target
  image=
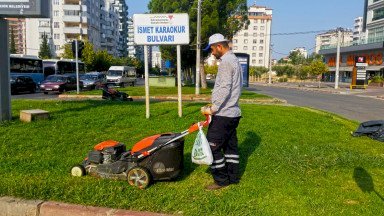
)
(138, 177)
(78, 171)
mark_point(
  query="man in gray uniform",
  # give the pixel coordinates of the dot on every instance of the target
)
(225, 113)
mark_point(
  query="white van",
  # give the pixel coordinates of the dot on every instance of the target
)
(121, 75)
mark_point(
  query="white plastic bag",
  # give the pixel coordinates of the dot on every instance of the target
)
(201, 152)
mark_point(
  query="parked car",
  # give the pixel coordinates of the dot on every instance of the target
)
(93, 80)
(21, 83)
(60, 83)
(121, 75)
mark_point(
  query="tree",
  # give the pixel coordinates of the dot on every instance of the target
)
(224, 16)
(257, 71)
(12, 49)
(211, 69)
(296, 58)
(103, 60)
(88, 56)
(45, 51)
(67, 54)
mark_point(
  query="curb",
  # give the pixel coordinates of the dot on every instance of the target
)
(175, 98)
(11, 206)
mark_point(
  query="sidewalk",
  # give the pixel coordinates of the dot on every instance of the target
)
(327, 87)
(10, 206)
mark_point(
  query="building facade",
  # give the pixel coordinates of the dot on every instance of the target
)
(329, 39)
(17, 29)
(255, 39)
(371, 47)
(358, 34)
(94, 20)
(122, 9)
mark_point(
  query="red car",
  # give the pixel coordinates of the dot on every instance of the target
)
(60, 83)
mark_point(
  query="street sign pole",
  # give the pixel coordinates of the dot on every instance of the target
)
(77, 67)
(5, 94)
(179, 80)
(146, 74)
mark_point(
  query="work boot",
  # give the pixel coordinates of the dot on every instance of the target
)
(214, 186)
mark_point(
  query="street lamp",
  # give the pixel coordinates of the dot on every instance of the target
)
(198, 45)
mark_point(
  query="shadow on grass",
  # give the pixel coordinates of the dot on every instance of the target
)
(246, 149)
(365, 182)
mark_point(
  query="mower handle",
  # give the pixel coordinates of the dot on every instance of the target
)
(205, 123)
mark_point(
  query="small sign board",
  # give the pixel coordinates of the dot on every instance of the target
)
(25, 8)
(244, 63)
(161, 29)
(361, 70)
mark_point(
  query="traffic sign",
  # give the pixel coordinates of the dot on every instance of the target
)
(161, 29)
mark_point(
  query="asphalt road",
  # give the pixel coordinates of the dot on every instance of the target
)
(349, 106)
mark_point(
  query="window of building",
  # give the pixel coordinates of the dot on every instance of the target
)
(255, 41)
(254, 27)
(245, 34)
(260, 54)
(255, 21)
(261, 34)
(262, 28)
(245, 41)
(260, 61)
(41, 34)
(56, 25)
(261, 41)
(71, 13)
(235, 48)
(56, 13)
(253, 61)
(378, 14)
(56, 2)
(261, 48)
(44, 24)
(254, 48)
(245, 48)
(254, 34)
(56, 36)
(57, 47)
(262, 21)
(234, 40)
(253, 54)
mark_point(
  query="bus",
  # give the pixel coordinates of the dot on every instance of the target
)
(62, 66)
(27, 65)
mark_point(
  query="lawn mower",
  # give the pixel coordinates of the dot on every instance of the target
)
(158, 157)
(113, 94)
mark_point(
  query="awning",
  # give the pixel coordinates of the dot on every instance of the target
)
(374, 68)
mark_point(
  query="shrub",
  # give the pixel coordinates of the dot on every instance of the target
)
(377, 79)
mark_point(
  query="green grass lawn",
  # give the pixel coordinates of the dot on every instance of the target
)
(170, 91)
(294, 161)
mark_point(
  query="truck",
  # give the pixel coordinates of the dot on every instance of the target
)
(121, 76)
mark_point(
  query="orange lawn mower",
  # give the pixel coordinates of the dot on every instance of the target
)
(158, 157)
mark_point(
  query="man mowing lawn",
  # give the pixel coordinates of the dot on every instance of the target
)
(225, 113)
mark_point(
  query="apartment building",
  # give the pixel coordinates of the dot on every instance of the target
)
(358, 34)
(301, 50)
(109, 27)
(122, 9)
(374, 20)
(329, 39)
(94, 20)
(16, 28)
(134, 51)
(255, 39)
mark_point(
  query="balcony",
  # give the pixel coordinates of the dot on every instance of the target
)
(75, 30)
(75, 19)
(71, 7)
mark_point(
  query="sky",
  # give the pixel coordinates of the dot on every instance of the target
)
(295, 16)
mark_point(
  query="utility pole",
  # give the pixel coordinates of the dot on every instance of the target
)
(77, 67)
(198, 45)
(338, 58)
(5, 93)
(270, 64)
